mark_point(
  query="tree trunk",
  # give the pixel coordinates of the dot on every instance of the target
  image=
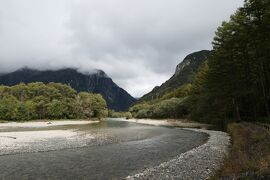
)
(254, 112)
(237, 112)
(263, 90)
(267, 110)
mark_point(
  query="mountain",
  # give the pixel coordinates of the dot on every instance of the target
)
(183, 74)
(98, 82)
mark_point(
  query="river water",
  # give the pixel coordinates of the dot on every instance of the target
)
(129, 149)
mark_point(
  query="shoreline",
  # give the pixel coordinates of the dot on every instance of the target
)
(45, 123)
(37, 136)
(201, 162)
(168, 123)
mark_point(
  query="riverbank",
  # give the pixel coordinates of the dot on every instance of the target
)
(44, 123)
(199, 163)
(169, 123)
(249, 156)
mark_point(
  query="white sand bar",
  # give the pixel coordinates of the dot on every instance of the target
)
(169, 122)
(45, 123)
(11, 139)
(15, 140)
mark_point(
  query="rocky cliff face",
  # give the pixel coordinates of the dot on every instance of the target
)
(192, 62)
(183, 74)
(96, 82)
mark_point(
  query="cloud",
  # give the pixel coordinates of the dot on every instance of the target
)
(136, 42)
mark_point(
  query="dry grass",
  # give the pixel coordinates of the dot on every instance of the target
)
(250, 153)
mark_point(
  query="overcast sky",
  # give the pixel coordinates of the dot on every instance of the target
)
(136, 42)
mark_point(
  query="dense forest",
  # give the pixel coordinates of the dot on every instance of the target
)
(234, 83)
(171, 105)
(48, 101)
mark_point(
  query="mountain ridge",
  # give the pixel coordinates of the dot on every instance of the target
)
(95, 82)
(183, 74)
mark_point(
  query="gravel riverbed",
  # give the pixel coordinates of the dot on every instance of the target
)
(199, 163)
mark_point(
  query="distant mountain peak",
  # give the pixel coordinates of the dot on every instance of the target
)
(26, 69)
(101, 73)
(183, 74)
(191, 58)
(95, 72)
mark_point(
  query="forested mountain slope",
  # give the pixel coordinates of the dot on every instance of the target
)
(183, 74)
(117, 98)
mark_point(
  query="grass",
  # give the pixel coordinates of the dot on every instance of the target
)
(249, 157)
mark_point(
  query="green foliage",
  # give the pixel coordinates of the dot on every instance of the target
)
(174, 104)
(134, 110)
(57, 109)
(237, 83)
(53, 101)
(168, 108)
(8, 107)
(92, 105)
(114, 114)
(182, 91)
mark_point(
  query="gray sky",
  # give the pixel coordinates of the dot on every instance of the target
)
(136, 42)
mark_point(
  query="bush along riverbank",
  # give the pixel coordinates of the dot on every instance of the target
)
(249, 156)
(32, 101)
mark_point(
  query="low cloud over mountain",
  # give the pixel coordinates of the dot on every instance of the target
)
(138, 43)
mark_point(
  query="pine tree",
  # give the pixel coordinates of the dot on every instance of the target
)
(237, 83)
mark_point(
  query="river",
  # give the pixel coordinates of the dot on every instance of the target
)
(129, 149)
